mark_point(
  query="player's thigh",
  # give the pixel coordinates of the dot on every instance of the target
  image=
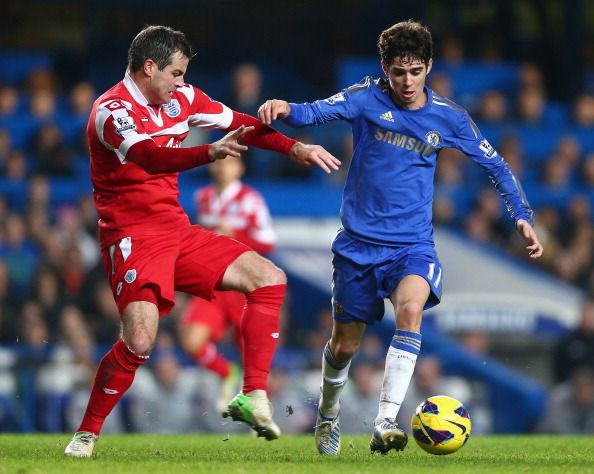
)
(426, 285)
(354, 293)
(409, 298)
(203, 260)
(251, 271)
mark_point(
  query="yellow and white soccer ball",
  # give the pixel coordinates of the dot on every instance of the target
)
(441, 425)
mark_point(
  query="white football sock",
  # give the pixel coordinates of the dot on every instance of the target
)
(400, 365)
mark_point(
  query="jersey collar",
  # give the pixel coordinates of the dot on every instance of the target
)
(140, 99)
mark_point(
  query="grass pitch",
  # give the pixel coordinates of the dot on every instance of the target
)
(168, 454)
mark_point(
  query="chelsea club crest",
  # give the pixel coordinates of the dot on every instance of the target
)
(433, 138)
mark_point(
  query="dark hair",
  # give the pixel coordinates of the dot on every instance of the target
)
(407, 39)
(158, 43)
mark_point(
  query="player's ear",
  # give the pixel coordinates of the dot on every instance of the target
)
(384, 67)
(429, 65)
(149, 67)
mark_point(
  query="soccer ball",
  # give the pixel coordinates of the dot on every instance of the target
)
(441, 425)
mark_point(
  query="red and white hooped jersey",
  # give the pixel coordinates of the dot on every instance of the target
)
(240, 208)
(128, 199)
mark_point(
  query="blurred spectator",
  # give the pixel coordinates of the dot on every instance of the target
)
(47, 291)
(571, 406)
(478, 228)
(441, 84)
(569, 149)
(489, 205)
(577, 348)
(19, 254)
(358, 406)
(106, 318)
(246, 95)
(82, 96)
(449, 168)
(556, 174)
(42, 79)
(530, 105)
(583, 110)
(38, 193)
(53, 156)
(5, 146)
(168, 401)
(72, 232)
(8, 307)
(9, 101)
(452, 50)
(577, 216)
(587, 171)
(476, 341)
(513, 152)
(444, 211)
(15, 168)
(530, 76)
(42, 105)
(492, 107)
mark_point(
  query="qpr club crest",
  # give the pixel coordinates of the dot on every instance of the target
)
(433, 138)
(172, 108)
(130, 276)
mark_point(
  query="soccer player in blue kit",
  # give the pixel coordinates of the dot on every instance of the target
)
(385, 247)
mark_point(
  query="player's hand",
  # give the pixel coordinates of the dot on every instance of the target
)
(273, 109)
(534, 247)
(314, 155)
(229, 145)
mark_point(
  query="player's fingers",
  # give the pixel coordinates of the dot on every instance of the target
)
(235, 146)
(535, 251)
(240, 132)
(329, 160)
(264, 112)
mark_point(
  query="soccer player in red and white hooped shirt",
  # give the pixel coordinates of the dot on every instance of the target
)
(232, 208)
(148, 245)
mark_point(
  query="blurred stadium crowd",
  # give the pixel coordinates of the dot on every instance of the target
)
(57, 315)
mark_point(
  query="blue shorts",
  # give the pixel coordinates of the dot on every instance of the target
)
(364, 274)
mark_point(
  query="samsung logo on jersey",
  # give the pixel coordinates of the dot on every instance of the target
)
(403, 141)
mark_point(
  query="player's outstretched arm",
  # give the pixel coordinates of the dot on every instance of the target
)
(314, 155)
(534, 247)
(229, 145)
(273, 109)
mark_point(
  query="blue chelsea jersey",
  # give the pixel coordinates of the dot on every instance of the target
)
(388, 194)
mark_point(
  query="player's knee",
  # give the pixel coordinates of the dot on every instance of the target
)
(408, 315)
(344, 350)
(140, 342)
(272, 275)
(278, 276)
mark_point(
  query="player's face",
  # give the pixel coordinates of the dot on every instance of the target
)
(407, 80)
(226, 171)
(164, 82)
